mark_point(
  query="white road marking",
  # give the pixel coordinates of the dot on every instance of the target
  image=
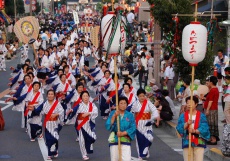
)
(7, 96)
(178, 150)
(7, 106)
(43, 149)
(135, 159)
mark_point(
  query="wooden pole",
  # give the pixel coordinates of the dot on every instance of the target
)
(191, 97)
(30, 7)
(118, 118)
(190, 113)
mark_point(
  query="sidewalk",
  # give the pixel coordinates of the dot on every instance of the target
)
(213, 152)
(167, 132)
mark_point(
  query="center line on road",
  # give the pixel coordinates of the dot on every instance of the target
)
(43, 149)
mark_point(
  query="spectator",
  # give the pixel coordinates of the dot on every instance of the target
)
(165, 93)
(163, 108)
(211, 109)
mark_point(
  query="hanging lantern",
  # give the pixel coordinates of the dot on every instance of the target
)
(118, 40)
(194, 43)
(138, 4)
(143, 0)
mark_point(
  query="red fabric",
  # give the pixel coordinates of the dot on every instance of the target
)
(77, 102)
(196, 124)
(32, 102)
(130, 98)
(66, 87)
(112, 93)
(50, 112)
(30, 88)
(213, 95)
(67, 76)
(86, 118)
(141, 112)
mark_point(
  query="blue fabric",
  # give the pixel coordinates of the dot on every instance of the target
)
(37, 111)
(19, 90)
(91, 70)
(55, 87)
(36, 130)
(20, 99)
(69, 97)
(50, 141)
(127, 123)
(203, 128)
(72, 114)
(95, 82)
(143, 143)
(15, 79)
(95, 74)
(88, 141)
(50, 80)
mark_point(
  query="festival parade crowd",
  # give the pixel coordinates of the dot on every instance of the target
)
(54, 89)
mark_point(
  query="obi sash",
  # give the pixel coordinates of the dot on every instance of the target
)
(86, 118)
(139, 116)
(196, 124)
(32, 102)
(47, 118)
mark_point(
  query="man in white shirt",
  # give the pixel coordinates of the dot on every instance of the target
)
(62, 52)
(45, 40)
(221, 61)
(54, 38)
(131, 20)
(169, 75)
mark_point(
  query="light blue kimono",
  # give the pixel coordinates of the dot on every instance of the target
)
(127, 123)
(203, 129)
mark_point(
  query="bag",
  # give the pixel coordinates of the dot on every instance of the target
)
(225, 145)
(111, 137)
(2, 122)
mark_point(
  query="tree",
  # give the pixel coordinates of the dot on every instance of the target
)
(99, 6)
(162, 10)
(38, 8)
(10, 7)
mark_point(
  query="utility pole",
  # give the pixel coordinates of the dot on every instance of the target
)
(30, 7)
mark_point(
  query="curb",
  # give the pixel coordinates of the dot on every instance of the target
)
(214, 154)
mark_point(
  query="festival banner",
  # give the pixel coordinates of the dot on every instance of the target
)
(75, 16)
(26, 29)
(94, 36)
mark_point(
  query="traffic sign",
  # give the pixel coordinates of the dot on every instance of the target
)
(33, 8)
(34, 2)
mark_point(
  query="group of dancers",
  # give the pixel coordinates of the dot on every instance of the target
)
(68, 102)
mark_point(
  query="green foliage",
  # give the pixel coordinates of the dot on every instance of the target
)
(38, 8)
(99, 6)
(10, 7)
(202, 71)
(162, 12)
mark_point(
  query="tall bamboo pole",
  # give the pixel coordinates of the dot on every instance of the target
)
(192, 88)
(118, 118)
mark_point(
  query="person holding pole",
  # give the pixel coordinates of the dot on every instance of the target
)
(198, 126)
(126, 133)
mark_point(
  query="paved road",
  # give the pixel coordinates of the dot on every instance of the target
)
(15, 143)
